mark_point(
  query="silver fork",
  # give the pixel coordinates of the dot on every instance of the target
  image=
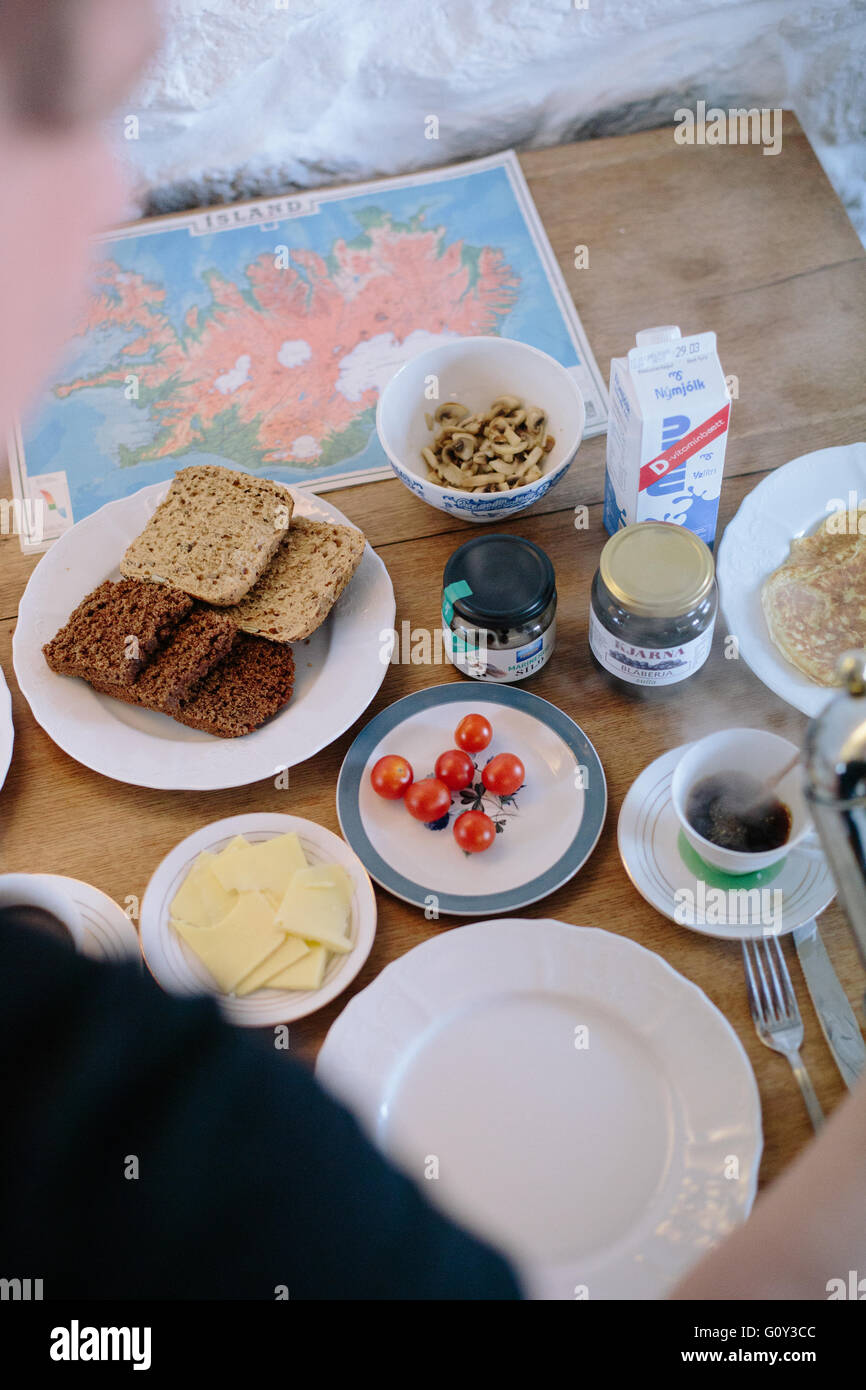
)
(776, 1015)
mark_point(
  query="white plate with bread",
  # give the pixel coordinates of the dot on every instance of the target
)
(205, 634)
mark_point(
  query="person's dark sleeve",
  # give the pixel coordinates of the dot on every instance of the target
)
(250, 1177)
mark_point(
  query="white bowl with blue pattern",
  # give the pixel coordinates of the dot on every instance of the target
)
(475, 371)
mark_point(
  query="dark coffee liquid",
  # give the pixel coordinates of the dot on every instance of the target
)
(36, 918)
(732, 810)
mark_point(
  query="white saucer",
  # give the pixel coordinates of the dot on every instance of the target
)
(661, 864)
(109, 934)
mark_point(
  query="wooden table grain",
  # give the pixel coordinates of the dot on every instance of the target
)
(757, 248)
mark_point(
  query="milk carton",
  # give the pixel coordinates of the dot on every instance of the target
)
(666, 436)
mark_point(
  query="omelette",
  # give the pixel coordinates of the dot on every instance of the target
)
(815, 603)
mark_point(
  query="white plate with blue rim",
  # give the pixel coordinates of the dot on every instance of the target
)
(563, 1093)
(545, 832)
(788, 503)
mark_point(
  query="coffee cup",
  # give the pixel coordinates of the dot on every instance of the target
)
(47, 893)
(756, 754)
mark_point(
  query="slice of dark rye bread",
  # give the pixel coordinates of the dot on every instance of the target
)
(115, 630)
(195, 647)
(213, 535)
(251, 685)
(247, 687)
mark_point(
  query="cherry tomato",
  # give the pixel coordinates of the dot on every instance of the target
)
(455, 769)
(503, 774)
(428, 799)
(473, 733)
(391, 776)
(474, 831)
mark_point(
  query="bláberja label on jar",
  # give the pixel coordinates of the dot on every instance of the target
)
(648, 665)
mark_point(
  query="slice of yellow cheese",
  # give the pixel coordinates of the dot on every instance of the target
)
(305, 974)
(292, 949)
(316, 914)
(201, 899)
(326, 876)
(221, 859)
(237, 843)
(235, 946)
(267, 866)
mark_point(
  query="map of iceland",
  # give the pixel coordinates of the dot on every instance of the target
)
(260, 335)
(285, 366)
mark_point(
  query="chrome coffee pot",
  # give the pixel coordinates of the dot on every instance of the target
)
(835, 763)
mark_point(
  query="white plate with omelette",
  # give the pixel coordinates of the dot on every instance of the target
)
(217, 919)
(793, 502)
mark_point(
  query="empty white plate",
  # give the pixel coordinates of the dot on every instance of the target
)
(562, 1092)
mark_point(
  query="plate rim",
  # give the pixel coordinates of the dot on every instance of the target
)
(237, 1010)
(449, 904)
(326, 1068)
(169, 770)
(7, 724)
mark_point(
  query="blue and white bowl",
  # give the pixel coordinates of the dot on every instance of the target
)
(475, 371)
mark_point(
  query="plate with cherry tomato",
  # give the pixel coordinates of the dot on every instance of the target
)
(462, 800)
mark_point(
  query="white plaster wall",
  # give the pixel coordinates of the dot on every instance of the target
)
(249, 97)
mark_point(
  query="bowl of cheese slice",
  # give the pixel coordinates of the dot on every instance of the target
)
(272, 914)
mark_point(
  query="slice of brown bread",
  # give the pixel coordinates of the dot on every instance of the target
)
(253, 683)
(200, 642)
(247, 687)
(213, 535)
(303, 581)
(115, 630)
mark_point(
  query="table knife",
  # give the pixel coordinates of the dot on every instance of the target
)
(832, 1006)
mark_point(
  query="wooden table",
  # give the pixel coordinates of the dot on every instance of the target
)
(724, 238)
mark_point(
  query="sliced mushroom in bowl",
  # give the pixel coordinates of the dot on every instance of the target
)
(503, 427)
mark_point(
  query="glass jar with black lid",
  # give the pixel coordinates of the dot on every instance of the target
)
(653, 606)
(499, 608)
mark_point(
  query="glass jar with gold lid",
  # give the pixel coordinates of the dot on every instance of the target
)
(654, 604)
